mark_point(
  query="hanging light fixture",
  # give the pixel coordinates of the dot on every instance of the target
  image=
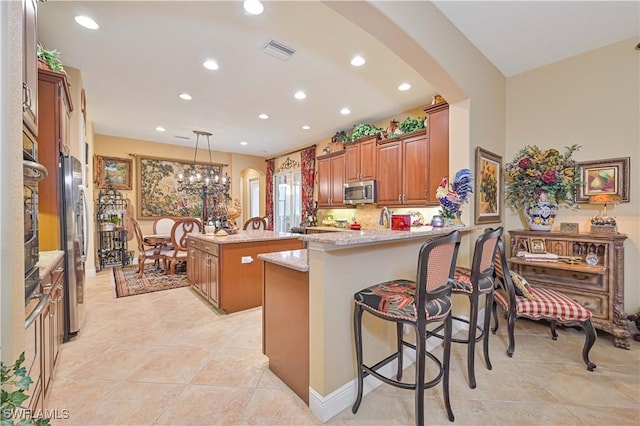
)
(208, 181)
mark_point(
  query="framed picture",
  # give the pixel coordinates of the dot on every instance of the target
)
(114, 172)
(489, 195)
(536, 245)
(603, 177)
(158, 193)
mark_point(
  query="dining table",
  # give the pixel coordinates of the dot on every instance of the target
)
(159, 242)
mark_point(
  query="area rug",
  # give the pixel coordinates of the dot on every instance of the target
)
(129, 284)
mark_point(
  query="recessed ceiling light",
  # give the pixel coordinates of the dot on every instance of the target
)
(345, 111)
(160, 129)
(244, 143)
(306, 127)
(263, 116)
(404, 87)
(185, 96)
(300, 95)
(253, 7)
(87, 22)
(210, 64)
(358, 61)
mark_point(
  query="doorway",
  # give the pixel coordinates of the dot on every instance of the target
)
(287, 200)
(254, 197)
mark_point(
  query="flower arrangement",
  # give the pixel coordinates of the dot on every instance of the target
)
(533, 172)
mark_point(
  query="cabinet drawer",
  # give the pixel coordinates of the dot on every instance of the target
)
(192, 242)
(550, 277)
(208, 247)
(598, 304)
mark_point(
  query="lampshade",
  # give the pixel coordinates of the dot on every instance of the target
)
(604, 199)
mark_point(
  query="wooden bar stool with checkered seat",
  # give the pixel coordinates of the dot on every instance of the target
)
(519, 299)
(416, 303)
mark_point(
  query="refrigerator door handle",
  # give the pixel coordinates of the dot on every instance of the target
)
(85, 222)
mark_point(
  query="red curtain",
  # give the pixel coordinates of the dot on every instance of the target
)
(308, 160)
(271, 165)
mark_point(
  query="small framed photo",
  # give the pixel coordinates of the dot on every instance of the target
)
(569, 227)
(536, 245)
(114, 172)
(488, 199)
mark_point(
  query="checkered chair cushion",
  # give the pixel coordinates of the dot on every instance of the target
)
(548, 304)
(396, 299)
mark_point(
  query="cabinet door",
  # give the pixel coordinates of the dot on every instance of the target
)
(214, 289)
(205, 270)
(47, 348)
(389, 173)
(337, 181)
(324, 182)
(415, 174)
(368, 159)
(192, 266)
(65, 122)
(438, 125)
(30, 66)
(352, 163)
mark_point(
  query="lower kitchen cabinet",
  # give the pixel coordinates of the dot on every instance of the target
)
(229, 276)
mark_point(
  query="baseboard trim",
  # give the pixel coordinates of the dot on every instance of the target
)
(326, 407)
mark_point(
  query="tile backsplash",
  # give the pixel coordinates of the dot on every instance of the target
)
(369, 216)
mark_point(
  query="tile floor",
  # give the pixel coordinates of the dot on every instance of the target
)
(167, 359)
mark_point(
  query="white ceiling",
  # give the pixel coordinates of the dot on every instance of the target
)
(146, 53)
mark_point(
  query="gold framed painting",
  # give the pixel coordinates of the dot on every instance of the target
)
(488, 187)
(608, 177)
(113, 172)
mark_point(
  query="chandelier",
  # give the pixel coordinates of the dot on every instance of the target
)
(204, 179)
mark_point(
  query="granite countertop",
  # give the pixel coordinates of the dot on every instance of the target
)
(369, 236)
(292, 259)
(246, 237)
(47, 260)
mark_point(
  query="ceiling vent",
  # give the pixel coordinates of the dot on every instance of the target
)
(278, 50)
(184, 138)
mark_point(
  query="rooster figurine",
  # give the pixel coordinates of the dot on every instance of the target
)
(452, 196)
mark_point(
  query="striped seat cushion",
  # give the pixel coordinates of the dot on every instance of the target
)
(548, 304)
(396, 299)
(462, 281)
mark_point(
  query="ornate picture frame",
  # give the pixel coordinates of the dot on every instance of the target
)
(489, 197)
(158, 193)
(537, 245)
(610, 176)
(113, 172)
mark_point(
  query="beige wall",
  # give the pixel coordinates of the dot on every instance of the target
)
(592, 100)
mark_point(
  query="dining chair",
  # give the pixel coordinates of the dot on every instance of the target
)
(145, 251)
(179, 232)
(162, 225)
(417, 304)
(521, 300)
(255, 223)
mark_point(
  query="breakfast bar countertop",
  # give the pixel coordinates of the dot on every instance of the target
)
(245, 237)
(292, 259)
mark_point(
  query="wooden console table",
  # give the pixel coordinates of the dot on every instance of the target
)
(598, 287)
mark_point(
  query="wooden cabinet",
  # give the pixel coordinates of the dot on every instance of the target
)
(331, 180)
(403, 170)
(598, 287)
(229, 276)
(438, 137)
(29, 66)
(54, 109)
(360, 160)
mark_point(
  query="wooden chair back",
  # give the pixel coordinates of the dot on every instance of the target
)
(255, 223)
(163, 225)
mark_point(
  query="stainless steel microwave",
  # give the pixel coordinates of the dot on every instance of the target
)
(360, 192)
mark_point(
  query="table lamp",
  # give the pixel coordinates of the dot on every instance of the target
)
(604, 223)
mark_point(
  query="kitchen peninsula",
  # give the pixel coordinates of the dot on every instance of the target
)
(225, 270)
(338, 265)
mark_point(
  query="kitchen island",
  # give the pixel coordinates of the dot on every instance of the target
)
(339, 264)
(225, 271)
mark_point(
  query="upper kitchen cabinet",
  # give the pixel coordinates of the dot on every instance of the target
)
(54, 114)
(29, 66)
(360, 160)
(438, 134)
(331, 180)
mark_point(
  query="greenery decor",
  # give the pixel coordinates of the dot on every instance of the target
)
(533, 172)
(363, 130)
(15, 377)
(409, 124)
(51, 57)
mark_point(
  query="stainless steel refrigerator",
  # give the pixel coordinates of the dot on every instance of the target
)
(74, 220)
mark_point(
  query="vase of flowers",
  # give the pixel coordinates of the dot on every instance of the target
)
(538, 181)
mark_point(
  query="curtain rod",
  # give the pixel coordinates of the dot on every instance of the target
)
(291, 152)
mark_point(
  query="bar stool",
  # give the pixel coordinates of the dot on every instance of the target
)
(473, 283)
(415, 303)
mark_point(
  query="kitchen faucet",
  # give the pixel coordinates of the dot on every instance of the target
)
(385, 213)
